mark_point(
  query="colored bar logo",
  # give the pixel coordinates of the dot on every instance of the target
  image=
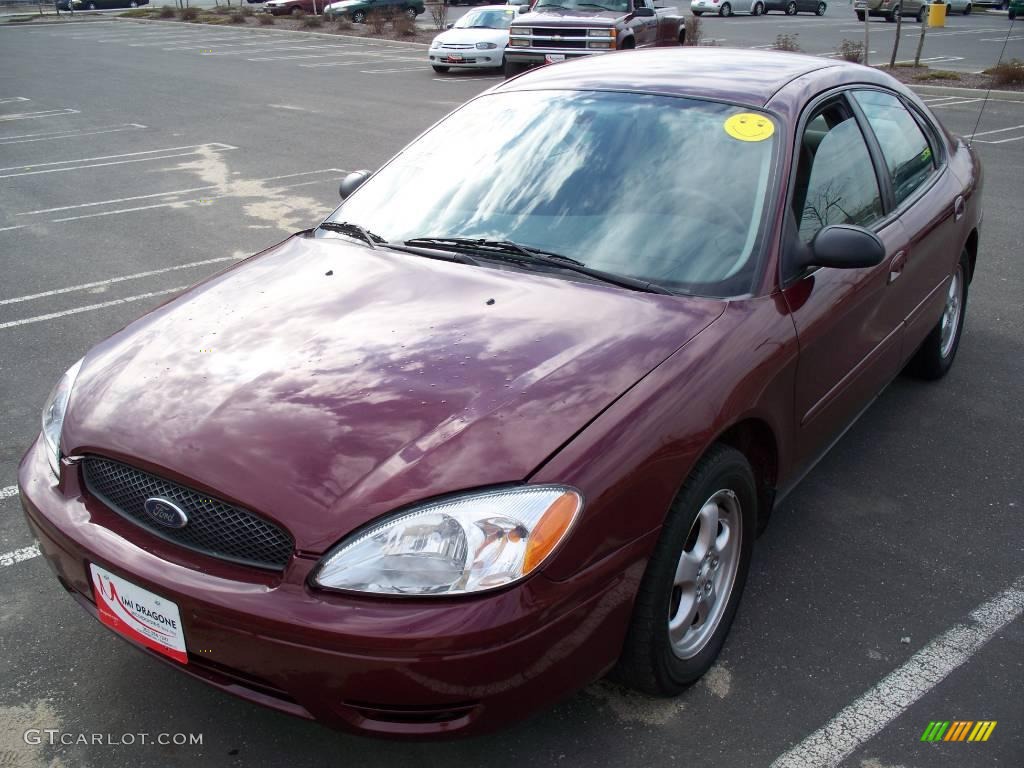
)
(958, 730)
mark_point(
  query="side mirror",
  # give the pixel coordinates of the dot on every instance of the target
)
(842, 246)
(449, 26)
(524, 9)
(352, 182)
(643, 12)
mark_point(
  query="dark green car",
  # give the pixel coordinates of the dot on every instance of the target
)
(358, 10)
(1016, 9)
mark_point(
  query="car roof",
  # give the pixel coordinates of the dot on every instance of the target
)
(743, 76)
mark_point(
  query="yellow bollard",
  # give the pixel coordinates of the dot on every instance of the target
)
(937, 15)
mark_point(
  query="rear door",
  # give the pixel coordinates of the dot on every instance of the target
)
(848, 321)
(928, 200)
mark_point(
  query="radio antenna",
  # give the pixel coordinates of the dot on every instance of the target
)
(981, 111)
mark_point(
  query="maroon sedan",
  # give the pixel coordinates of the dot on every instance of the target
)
(512, 417)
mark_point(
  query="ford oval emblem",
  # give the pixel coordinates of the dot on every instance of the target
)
(166, 513)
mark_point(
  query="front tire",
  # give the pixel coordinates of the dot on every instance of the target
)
(860, 15)
(725, 10)
(967, 9)
(820, 10)
(512, 68)
(758, 9)
(891, 17)
(692, 586)
(935, 356)
(359, 17)
(920, 15)
(791, 9)
(410, 13)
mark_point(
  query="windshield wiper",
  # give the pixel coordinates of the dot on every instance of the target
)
(511, 251)
(595, 5)
(353, 230)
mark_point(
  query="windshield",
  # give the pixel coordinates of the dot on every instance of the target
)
(656, 188)
(492, 19)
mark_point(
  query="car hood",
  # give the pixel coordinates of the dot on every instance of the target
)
(553, 17)
(323, 383)
(472, 36)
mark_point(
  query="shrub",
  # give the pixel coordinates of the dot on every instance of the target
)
(851, 50)
(376, 21)
(787, 43)
(938, 74)
(439, 14)
(188, 14)
(403, 26)
(298, 13)
(166, 12)
(136, 13)
(266, 19)
(1007, 72)
(237, 18)
(246, 10)
(344, 25)
(694, 30)
(309, 22)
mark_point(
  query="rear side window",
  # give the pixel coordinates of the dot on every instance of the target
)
(835, 181)
(907, 153)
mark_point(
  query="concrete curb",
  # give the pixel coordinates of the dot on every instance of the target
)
(277, 31)
(946, 90)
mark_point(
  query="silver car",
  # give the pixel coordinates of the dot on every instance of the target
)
(727, 7)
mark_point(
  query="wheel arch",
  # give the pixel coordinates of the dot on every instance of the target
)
(756, 440)
(971, 246)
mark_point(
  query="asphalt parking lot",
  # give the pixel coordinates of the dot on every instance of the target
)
(887, 593)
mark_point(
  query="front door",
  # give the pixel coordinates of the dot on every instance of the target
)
(848, 321)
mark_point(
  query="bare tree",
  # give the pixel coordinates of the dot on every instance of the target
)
(867, 30)
(924, 29)
(896, 42)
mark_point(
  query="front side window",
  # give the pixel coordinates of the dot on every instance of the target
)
(835, 181)
(906, 150)
(650, 187)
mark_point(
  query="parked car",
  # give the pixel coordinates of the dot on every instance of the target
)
(963, 7)
(95, 5)
(556, 30)
(358, 10)
(793, 7)
(1015, 9)
(292, 7)
(728, 7)
(476, 40)
(890, 9)
(512, 416)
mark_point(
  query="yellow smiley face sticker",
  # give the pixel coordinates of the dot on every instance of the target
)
(747, 126)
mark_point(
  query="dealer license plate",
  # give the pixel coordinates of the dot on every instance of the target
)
(138, 614)
(551, 58)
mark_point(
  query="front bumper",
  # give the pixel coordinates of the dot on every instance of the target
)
(394, 667)
(472, 58)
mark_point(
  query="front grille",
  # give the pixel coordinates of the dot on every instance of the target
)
(457, 46)
(214, 527)
(559, 31)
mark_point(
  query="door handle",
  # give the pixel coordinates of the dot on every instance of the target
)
(959, 208)
(899, 261)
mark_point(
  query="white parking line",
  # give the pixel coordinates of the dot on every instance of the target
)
(8, 491)
(999, 39)
(458, 79)
(12, 99)
(8, 229)
(997, 130)
(50, 136)
(38, 115)
(111, 281)
(90, 307)
(999, 141)
(420, 68)
(955, 103)
(19, 555)
(878, 707)
(129, 157)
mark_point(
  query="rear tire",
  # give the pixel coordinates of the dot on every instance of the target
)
(359, 17)
(820, 10)
(937, 352)
(920, 15)
(791, 9)
(860, 15)
(513, 68)
(758, 9)
(694, 579)
(725, 10)
(891, 16)
(967, 9)
(410, 13)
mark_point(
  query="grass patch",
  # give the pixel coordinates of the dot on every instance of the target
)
(212, 19)
(266, 19)
(938, 74)
(188, 14)
(787, 43)
(851, 50)
(376, 21)
(166, 12)
(1007, 73)
(403, 26)
(311, 22)
(137, 13)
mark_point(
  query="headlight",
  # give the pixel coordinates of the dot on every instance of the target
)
(601, 33)
(599, 44)
(486, 46)
(519, 31)
(465, 544)
(518, 42)
(53, 415)
(436, 43)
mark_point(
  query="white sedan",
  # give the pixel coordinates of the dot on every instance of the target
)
(475, 41)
